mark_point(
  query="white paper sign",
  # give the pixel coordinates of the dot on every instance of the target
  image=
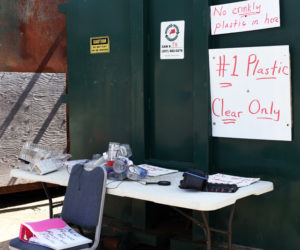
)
(251, 93)
(172, 40)
(244, 16)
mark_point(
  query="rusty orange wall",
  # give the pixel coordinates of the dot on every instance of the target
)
(32, 36)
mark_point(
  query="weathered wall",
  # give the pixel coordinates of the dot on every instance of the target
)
(29, 30)
(32, 39)
(31, 110)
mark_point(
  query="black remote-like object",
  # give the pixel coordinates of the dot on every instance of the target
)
(220, 188)
(162, 183)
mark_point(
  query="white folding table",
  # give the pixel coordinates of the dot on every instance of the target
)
(167, 195)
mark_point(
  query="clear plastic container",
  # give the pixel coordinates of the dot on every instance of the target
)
(136, 173)
(125, 150)
(120, 165)
(113, 149)
(116, 176)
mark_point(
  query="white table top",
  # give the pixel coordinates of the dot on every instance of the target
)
(168, 195)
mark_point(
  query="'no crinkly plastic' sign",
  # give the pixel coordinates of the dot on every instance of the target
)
(172, 40)
(244, 16)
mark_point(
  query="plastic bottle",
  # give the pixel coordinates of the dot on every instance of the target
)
(120, 165)
(116, 176)
(108, 169)
(136, 173)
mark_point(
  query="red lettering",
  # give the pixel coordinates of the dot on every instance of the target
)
(255, 108)
(278, 115)
(274, 68)
(222, 107)
(264, 110)
(234, 67)
(267, 20)
(267, 71)
(271, 20)
(271, 110)
(219, 12)
(250, 107)
(260, 71)
(251, 62)
(284, 70)
(218, 26)
(213, 107)
(255, 67)
(218, 111)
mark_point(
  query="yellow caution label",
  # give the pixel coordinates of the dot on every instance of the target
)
(99, 45)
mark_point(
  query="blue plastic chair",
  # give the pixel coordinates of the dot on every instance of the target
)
(82, 207)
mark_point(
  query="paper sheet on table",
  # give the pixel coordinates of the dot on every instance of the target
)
(157, 171)
(230, 179)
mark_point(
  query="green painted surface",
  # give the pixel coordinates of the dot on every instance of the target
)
(162, 107)
(270, 221)
(99, 84)
(175, 117)
(170, 132)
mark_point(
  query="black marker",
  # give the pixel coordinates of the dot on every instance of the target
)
(162, 183)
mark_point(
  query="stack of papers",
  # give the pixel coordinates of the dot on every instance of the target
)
(230, 179)
(154, 171)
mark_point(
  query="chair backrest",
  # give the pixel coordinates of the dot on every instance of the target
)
(84, 200)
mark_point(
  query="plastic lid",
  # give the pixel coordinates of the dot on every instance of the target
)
(110, 163)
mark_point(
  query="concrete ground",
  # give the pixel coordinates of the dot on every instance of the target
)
(23, 207)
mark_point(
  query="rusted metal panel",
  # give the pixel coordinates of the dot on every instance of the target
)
(32, 36)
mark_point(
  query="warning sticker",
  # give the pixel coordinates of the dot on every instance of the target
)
(99, 45)
(172, 40)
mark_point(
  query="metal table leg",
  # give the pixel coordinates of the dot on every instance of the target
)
(207, 229)
(48, 195)
(46, 190)
(230, 227)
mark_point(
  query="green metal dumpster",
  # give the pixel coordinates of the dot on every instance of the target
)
(120, 90)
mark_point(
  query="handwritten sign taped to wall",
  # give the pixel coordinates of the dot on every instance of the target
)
(251, 93)
(244, 16)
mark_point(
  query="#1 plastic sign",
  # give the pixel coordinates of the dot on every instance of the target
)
(251, 93)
